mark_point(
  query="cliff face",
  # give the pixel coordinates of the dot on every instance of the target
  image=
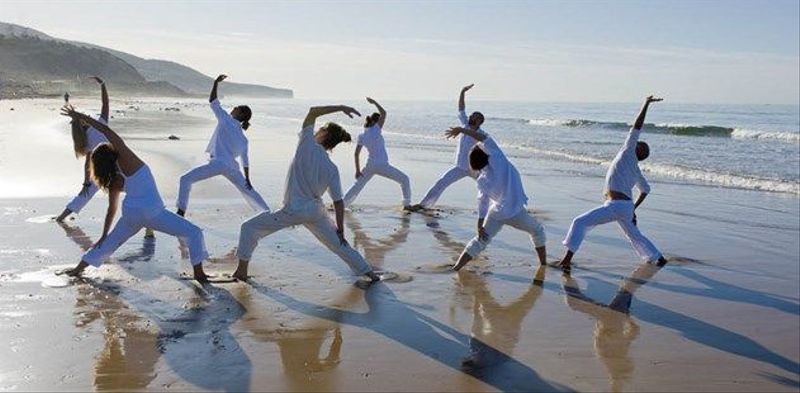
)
(35, 64)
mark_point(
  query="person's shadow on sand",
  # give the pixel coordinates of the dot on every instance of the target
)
(703, 332)
(397, 321)
(195, 342)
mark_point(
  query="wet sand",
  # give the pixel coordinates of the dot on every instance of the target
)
(724, 315)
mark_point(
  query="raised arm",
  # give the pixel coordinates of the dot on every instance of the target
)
(381, 111)
(103, 97)
(129, 162)
(637, 125)
(455, 131)
(213, 95)
(461, 104)
(316, 111)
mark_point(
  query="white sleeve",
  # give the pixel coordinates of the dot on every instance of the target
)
(632, 139)
(307, 132)
(220, 113)
(462, 117)
(483, 204)
(642, 184)
(335, 185)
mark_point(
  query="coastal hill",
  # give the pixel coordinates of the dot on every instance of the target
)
(34, 64)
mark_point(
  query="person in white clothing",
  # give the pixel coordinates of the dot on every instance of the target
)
(84, 140)
(227, 143)
(115, 169)
(501, 197)
(378, 162)
(623, 174)
(465, 145)
(310, 175)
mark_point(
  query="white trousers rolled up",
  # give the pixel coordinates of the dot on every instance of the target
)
(314, 218)
(217, 168)
(620, 211)
(386, 170)
(79, 202)
(523, 221)
(453, 175)
(133, 220)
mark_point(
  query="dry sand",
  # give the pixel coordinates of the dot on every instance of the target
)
(724, 315)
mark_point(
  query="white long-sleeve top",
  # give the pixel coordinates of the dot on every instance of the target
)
(95, 137)
(465, 143)
(500, 191)
(372, 139)
(624, 172)
(311, 174)
(228, 141)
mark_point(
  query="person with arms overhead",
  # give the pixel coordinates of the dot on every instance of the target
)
(115, 168)
(227, 143)
(378, 162)
(310, 175)
(623, 174)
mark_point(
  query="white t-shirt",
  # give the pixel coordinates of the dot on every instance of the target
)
(372, 139)
(624, 172)
(95, 137)
(228, 141)
(465, 144)
(311, 174)
(500, 191)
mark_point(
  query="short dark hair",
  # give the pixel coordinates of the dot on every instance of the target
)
(331, 134)
(642, 150)
(479, 115)
(478, 159)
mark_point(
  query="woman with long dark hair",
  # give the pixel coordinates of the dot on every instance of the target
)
(115, 168)
(227, 143)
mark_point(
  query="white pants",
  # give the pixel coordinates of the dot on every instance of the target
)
(523, 221)
(133, 220)
(620, 211)
(79, 202)
(385, 170)
(216, 168)
(314, 218)
(453, 175)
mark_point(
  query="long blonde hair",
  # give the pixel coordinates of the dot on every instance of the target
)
(80, 138)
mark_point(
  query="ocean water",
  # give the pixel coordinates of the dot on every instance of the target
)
(753, 147)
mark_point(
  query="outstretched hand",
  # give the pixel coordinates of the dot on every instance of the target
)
(97, 79)
(220, 78)
(467, 87)
(69, 111)
(453, 132)
(349, 111)
(650, 99)
(371, 101)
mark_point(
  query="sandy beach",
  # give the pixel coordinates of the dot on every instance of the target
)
(723, 315)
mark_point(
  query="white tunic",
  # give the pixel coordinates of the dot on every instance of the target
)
(372, 139)
(465, 144)
(500, 191)
(95, 137)
(624, 172)
(311, 174)
(228, 141)
(141, 193)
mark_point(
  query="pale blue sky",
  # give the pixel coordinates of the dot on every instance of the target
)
(690, 51)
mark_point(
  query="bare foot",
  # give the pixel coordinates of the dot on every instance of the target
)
(200, 275)
(243, 277)
(180, 212)
(374, 277)
(149, 234)
(76, 271)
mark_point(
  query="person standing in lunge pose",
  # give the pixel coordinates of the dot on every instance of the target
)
(227, 143)
(501, 197)
(115, 169)
(623, 174)
(311, 174)
(465, 144)
(378, 162)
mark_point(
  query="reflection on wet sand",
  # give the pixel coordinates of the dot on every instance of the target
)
(307, 363)
(495, 327)
(194, 340)
(614, 330)
(127, 362)
(375, 250)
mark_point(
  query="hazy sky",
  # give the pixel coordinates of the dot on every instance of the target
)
(690, 51)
